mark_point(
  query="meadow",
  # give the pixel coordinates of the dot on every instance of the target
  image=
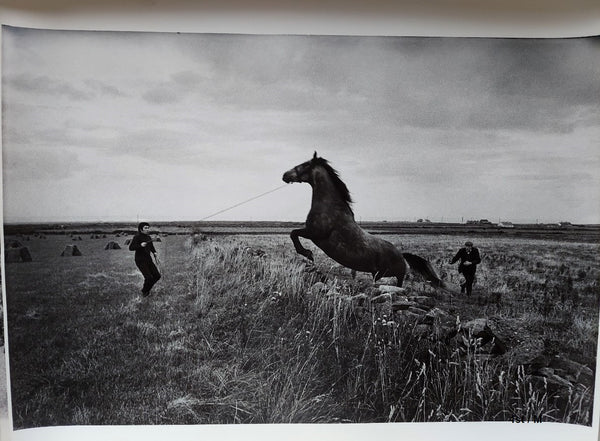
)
(241, 329)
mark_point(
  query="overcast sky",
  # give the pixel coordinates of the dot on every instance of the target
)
(115, 126)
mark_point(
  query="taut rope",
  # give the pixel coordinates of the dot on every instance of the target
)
(244, 202)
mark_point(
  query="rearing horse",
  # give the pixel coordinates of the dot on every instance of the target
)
(331, 226)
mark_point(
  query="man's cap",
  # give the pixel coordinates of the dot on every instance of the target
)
(468, 244)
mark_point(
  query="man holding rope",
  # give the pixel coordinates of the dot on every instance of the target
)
(143, 247)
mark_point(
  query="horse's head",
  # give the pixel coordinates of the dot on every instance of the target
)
(301, 172)
(307, 171)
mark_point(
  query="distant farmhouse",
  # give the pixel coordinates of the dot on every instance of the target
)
(506, 225)
(563, 224)
(479, 222)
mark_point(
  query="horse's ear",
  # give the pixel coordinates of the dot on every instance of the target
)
(315, 155)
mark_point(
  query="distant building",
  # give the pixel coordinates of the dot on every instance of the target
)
(479, 222)
(556, 225)
(506, 225)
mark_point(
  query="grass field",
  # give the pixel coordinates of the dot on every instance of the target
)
(240, 331)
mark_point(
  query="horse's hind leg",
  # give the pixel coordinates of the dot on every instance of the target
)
(378, 275)
(400, 280)
(400, 272)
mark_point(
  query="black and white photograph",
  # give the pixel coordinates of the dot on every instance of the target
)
(259, 229)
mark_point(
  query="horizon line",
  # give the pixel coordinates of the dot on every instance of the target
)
(472, 222)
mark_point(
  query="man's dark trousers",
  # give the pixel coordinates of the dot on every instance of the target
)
(150, 273)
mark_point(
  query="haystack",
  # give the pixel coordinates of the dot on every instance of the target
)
(112, 246)
(17, 255)
(71, 250)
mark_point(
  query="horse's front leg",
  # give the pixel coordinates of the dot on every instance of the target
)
(295, 234)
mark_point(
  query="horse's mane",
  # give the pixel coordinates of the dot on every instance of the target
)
(337, 182)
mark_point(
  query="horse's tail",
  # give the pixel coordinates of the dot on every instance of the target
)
(425, 270)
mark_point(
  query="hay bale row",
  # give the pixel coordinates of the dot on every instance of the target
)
(16, 252)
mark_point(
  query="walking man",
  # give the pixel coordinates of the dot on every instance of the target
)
(143, 247)
(469, 258)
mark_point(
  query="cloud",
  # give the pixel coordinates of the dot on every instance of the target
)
(415, 82)
(163, 94)
(176, 88)
(44, 85)
(187, 79)
(546, 69)
(31, 164)
(104, 88)
(552, 178)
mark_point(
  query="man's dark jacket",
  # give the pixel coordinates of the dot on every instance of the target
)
(142, 254)
(465, 256)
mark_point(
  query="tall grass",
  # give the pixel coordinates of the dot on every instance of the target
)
(242, 330)
(318, 356)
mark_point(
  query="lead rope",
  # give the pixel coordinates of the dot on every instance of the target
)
(222, 211)
(243, 202)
